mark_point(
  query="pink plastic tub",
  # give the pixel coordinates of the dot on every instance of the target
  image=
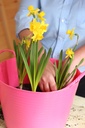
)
(27, 109)
(8, 70)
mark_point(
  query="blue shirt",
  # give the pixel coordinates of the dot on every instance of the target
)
(61, 15)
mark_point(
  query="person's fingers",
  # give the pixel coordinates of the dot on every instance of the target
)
(46, 87)
(53, 87)
(52, 84)
(48, 84)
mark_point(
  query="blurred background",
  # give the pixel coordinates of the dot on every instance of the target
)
(8, 9)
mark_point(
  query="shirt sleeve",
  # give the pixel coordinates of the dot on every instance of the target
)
(21, 18)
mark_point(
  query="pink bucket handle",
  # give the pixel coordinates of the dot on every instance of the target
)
(7, 50)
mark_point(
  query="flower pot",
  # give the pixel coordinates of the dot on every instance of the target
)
(27, 109)
(8, 70)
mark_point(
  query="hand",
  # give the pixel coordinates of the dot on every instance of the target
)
(47, 82)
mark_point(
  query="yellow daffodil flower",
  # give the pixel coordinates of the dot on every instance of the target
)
(41, 15)
(32, 11)
(70, 33)
(69, 53)
(38, 29)
(34, 26)
(37, 37)
(27, 42)
(43, 26)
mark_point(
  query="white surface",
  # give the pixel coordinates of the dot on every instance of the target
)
(77, 114)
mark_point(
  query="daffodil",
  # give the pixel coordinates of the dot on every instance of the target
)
(34, 26)
(69, 53)
(28, 49)
(27, 42)
(38, 29)
(37, 37)
(32, 10)
(71, 33)
(41, 16)
(44, 26)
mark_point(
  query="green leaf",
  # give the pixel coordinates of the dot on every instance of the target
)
(56, 75)
(34, 61)
(26, 63)
(43, 61)
(64, 71)
(59, 64)
(40, 51)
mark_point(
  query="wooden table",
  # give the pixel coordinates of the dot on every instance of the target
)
(77, 114)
